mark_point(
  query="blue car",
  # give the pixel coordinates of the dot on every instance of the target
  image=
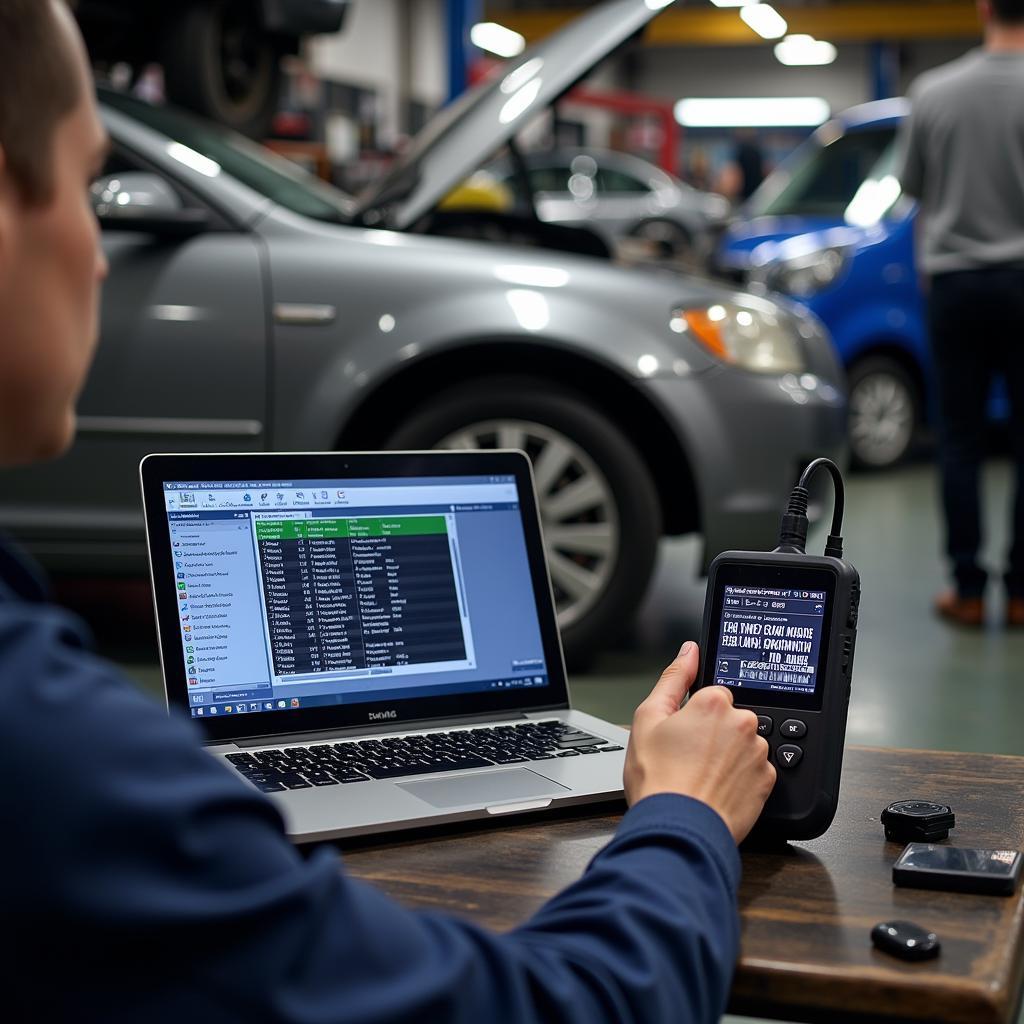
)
(831, 229)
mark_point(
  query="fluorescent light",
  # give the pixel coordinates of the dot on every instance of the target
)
(520, 101)
(531, 276)
(874, 199)
(529, 308)
(190, 158)
(753, 112)
(495, 38)
(804, 51)
(764, 20)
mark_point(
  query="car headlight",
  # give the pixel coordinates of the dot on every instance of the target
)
(759, 337)
(804, 275)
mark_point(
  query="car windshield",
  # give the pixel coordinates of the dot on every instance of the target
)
(263, 171)
(832, 179)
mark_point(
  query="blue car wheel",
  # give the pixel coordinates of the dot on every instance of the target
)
(885, 412)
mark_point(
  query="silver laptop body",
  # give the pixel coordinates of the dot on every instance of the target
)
(370, 638)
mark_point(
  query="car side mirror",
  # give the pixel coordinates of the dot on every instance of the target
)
(143, 202)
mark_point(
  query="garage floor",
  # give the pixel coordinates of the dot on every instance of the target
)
(917, 682)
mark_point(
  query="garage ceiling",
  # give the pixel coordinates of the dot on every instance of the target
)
(698, 23)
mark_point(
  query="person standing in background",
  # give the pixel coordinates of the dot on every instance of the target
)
(750, 161)
(962, 156)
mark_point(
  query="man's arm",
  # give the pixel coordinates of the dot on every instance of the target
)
(159, 886)
(910, 151)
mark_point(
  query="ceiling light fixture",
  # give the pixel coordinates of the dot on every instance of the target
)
(804, 51)
(764, 20)
(496, 39)
(753, 112)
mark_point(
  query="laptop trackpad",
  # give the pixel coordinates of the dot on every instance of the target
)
(484, 789)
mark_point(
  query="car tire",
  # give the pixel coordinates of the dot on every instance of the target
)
(885, 412)
(573, 446)
(220, 61)
(674, 242)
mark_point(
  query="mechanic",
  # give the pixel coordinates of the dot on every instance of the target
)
(143, 881)
(962, 155)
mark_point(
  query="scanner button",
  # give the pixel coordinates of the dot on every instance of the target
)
(764, 725)
(793, 729)
(789, 755)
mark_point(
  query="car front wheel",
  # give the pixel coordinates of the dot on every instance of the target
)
(598, 505)
(884, 412)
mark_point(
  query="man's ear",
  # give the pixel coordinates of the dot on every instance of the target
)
(8, 196)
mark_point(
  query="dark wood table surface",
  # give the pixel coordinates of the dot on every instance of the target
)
(807, 911)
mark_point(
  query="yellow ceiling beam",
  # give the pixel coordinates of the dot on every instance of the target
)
(841, 23)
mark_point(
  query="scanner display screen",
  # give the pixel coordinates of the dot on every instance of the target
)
(770, 634)
(770, 638)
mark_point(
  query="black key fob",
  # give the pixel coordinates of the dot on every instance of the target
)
(905, 940)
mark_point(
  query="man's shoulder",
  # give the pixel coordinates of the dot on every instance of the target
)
(938, 83)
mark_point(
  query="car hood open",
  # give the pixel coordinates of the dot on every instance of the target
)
(468, 131)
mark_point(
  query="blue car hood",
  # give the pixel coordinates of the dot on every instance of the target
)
(743, 237)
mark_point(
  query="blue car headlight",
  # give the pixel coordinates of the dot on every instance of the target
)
(804, 275)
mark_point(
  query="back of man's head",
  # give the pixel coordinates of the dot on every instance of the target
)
(39, 84)
(52, 144)
(1008, 12)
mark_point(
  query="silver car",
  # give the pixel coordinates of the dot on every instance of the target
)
(250, 307)
(621, 197)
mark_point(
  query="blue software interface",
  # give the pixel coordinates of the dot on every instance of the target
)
(299, 593)
(770, 638)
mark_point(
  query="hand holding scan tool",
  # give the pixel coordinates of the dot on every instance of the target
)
(779, 632)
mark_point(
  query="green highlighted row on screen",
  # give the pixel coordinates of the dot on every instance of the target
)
(332, 529)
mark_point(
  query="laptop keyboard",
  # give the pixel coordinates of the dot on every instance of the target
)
(333, 764)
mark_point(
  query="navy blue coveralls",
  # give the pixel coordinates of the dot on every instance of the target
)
(145, 882)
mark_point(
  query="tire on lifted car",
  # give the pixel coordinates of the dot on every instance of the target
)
(220, 61)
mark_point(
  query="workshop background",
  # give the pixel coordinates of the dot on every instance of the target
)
(744, 147)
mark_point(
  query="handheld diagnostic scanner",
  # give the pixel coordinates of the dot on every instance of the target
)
(779, 630)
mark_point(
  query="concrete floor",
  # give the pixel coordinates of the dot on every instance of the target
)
(917, 682)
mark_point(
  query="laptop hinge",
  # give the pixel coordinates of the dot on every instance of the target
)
(375, 729)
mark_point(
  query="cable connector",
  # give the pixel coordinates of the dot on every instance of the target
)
(793, 530)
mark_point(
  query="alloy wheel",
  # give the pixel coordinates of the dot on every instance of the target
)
(882, 419)
(577, 508)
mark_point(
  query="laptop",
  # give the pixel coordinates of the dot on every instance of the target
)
(370, 639)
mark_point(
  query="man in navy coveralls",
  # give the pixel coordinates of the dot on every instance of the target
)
(145, 882)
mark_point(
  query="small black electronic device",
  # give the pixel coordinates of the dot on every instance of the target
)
(907, 821)
(905, 940)
(779, 630)
(957, 869)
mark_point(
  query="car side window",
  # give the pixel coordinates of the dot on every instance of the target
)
(611, 181)
(549, 179)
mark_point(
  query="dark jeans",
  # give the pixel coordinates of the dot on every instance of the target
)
(977, 329)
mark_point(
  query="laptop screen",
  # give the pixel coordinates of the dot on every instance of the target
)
(308, 593)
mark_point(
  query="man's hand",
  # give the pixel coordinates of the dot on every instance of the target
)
(710, 750)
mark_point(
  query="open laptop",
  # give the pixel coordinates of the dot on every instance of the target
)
(370, 639)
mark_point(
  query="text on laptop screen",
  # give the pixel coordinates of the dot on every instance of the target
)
(312, 592)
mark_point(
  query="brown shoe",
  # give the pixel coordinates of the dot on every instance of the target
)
(1015, 611)
(964, 611)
